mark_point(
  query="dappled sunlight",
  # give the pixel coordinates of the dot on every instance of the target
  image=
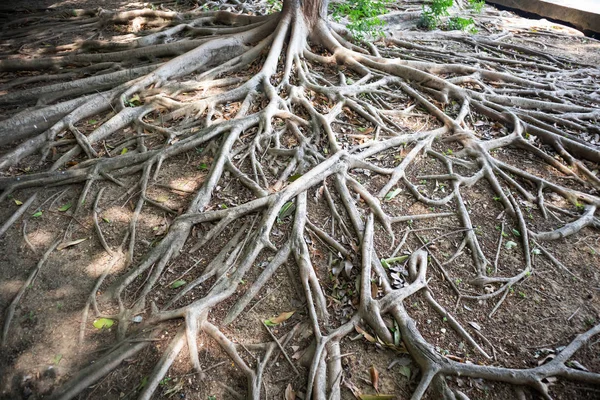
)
(99, 264)
(262, 192)
(9, 288)
(536, 25)
(41, 238)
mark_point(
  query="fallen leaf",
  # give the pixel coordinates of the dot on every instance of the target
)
(63, 246)
(374, 290)
(37, 214)
(287, 210)
(289, 392)
(279, 319)
(347, 267)
(577, 365)
(510, 244)
(405, 370)
(124, 151)
(365, 334)
(64, 207)
(294, 177)
(392, 194)
(475, 325)
(376, 397)
(178, 283)
(374, 377)
(18, 202)
(103, 323)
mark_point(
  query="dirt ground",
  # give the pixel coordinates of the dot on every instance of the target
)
(542, 313)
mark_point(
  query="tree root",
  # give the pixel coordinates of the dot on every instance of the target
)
(260, 93)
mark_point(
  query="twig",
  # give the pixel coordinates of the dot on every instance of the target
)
(281, 348)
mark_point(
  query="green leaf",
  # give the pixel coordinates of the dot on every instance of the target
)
(287, 210)
(537, 252)
(516, 232)
(124, 151)
(202, 166)
(510, 244)
(397, 334)
(64, 207)
(392, 194)
(376, 397)
(92, 122)
(106, 220)
(143, 382)
(17, 202)
(57, 359)
(37, 214)
(405, 370)
(103, 323)
(223, 206)
(294, 177)
(178, 283)
(393, 260)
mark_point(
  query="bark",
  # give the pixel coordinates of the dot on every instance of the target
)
(313, 10)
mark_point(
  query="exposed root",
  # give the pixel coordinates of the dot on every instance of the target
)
(266, 97)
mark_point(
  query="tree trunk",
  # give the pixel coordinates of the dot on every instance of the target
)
(312, 10)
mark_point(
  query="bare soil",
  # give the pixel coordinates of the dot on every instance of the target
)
(541, 314)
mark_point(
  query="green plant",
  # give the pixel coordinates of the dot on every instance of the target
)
(432, 15)
(274, 5)
(164, 381)
(459, 24)
(363, 16)
(476, 5)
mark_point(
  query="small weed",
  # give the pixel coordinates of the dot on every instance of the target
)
(476, 5)
(362, 16)
(165, 381)
(274, 5)
(461, 24)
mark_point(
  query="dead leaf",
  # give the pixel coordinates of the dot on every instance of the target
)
(347, 267)
(289, 392)
(374, 377)
(374, 290)
(162, 199)
(279, 319)
(577, 365)
(475, 325)
(69, 244)
(352, 387)
(365, 334)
